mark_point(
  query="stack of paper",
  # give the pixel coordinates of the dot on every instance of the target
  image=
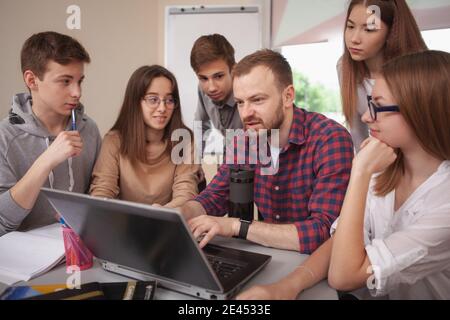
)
(25, 255)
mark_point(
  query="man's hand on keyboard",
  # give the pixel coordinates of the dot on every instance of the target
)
(208, 227)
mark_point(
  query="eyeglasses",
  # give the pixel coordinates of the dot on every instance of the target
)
(374, 108)
(155, 101)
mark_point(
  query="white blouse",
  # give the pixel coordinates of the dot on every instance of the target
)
(409, 249)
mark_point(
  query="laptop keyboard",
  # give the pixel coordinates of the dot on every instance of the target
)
(224, 268)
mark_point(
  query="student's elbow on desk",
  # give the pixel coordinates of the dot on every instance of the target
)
(6, 228)
(11, 213)
(2, 231)
(343, 280)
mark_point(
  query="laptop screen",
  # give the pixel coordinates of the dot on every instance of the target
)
(152, 240)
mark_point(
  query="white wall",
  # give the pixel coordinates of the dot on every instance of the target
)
(119, 36)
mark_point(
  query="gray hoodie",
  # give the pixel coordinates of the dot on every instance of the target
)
(23, 139)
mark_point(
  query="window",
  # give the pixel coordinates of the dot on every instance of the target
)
(315, 76)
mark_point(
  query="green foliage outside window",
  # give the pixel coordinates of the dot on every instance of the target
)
(314, 96)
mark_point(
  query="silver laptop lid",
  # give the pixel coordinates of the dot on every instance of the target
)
(156, 241)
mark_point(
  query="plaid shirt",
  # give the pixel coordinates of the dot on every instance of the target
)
(309, 187)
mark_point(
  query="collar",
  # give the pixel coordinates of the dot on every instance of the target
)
(297, 132)
(230, 102)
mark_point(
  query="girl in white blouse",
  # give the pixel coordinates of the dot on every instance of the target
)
(392, 239)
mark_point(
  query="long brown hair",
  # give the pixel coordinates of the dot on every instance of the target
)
(130, 123)
(403, 37)
(419, 83)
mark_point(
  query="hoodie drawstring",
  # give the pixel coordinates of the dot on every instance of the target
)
(71, 181)
(51, 177)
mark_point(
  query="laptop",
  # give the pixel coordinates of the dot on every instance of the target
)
(151, 243)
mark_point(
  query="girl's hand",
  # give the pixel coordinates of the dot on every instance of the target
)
(375, 156)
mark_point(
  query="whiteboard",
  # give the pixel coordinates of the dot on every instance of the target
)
(184, 25)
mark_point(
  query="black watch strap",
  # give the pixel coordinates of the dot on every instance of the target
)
(243, 230)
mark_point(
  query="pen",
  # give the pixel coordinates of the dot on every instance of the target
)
(129, 291)
(74, 123)
(149, 292)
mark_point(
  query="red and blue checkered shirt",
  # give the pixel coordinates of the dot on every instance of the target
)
(309, 187)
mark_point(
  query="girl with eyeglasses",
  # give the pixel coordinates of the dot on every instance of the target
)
(392, 238)
(375, 32)
(135, 161)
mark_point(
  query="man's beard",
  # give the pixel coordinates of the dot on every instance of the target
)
(274, 124)
(279, 117)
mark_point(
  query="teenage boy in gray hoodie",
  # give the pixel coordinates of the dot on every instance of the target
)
(38, 146)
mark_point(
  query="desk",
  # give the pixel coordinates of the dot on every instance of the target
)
(282, 263)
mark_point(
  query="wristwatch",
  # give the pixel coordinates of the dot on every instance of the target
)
(243, 230)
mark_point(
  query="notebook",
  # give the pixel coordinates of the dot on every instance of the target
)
(25, 255)
(150, 243)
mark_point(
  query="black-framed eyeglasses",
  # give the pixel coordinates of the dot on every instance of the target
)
(155, 101)
(375, 108)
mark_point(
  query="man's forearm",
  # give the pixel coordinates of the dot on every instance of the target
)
(281, 236)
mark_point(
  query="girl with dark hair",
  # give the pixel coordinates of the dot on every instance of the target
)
(135, 161)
